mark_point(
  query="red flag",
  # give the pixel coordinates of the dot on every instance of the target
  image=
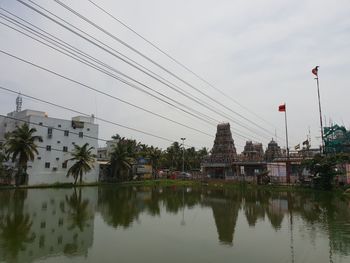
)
(282, 107)
(315, 71)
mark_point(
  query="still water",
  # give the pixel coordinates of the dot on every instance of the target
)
(175, 224)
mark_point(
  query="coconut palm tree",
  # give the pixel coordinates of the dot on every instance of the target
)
(121, 160)
(21, 147)
(84, 160)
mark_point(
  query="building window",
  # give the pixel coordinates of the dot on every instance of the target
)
(42, 241)
(59, 125)
(60, 222)
(40, 123)
(58, 142)
(66, 133)
(59, 240)
(64, 165)
(57, 158)
(40, 139)
(73, 143)
(48, 147)
(81, 135)
(65, 148)
(88, 129)
(49, 131)
(39, 158)
(43, 224)
(47, 165)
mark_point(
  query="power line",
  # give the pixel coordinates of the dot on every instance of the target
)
(155, 63)
(204, 117)
(108, 51)
(238, 134)
(110, 122)
(140, 108)
(178, 62)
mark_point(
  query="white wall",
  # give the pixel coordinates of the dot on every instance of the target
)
(38, 173)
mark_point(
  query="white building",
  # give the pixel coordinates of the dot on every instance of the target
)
(58, 139)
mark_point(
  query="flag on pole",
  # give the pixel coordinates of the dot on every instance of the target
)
(297, 147)
(315, 71)
(306, 142)
(282, 107)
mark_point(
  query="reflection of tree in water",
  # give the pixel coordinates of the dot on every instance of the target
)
(121, 206)
(225, 206)
(15, 227)
(78, 211)
(332, 216)
(118, 206)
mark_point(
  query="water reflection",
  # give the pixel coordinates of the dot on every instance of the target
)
(39, 223)
(35, 224)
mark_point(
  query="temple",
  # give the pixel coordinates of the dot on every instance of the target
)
(220, 163)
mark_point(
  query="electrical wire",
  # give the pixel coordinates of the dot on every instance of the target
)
(238, 134)
(178, 62)
(155, 63)
(108, 51)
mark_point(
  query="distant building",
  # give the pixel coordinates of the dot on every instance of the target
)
(58, 139)
(104, 153)
(253, 152)
(273, 151)
(219, 164)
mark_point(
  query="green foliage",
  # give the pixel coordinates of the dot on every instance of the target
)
(121, 159)
(324, 169)
(84, 160)
(21, 147)
(126, 151)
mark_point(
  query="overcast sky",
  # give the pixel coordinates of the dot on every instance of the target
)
(260, 53)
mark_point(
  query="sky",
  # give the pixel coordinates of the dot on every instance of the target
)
(256, 54)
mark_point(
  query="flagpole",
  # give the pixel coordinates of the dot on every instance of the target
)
(319, 108)
(287, 163)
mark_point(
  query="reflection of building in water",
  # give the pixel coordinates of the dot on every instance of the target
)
(62, 222)
(225, 212)
(277, 208)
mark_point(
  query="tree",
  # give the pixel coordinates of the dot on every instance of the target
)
(121, 159)
(4, 173)
(324, 169)
(84, 160)
(21, 147)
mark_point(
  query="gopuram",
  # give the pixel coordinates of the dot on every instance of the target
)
(220, 163)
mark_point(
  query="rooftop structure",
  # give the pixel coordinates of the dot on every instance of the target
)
(273, 151)
(253, 152)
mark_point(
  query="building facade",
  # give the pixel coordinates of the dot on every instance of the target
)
(219, 164)
(59, 138)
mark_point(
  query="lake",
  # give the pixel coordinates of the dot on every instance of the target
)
(172, 224)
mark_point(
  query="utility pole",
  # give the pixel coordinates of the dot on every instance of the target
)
(315, 72)
(282, 108)
(183, 154)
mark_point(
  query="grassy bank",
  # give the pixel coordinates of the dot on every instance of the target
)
(168, 182)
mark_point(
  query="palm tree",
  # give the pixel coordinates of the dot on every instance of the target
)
(121, 160)
(84, 160)
(21, 147)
